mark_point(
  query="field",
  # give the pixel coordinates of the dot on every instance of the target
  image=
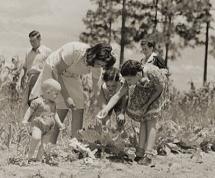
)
(178, 166)
(185, 143)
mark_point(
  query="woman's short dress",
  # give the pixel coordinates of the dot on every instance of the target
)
(72, 54)
(140, 94)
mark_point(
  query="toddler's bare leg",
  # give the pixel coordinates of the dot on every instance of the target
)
(40, 152)
(44, 141)
(36, 138)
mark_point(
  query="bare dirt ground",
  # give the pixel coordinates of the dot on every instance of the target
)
(170, 166)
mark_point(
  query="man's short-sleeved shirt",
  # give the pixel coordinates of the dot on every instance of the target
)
(35, 60)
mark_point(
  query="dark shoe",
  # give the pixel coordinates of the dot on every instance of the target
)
(161, 150)
(139, 152)
(146, 161)
(138, 158)
(32, 160)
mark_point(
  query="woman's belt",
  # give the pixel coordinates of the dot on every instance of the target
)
(70, 75)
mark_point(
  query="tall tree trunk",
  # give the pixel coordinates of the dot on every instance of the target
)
(165, 28)
(206, 53)
(168, 40)
(122, 42)
(110, 31)
(110, 22)
(166, 54)
(156, 15)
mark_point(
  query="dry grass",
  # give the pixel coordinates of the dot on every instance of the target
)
(188, 117)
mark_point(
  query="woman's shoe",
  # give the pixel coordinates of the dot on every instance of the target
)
(146, 160)
(32, 160)
(139, 154)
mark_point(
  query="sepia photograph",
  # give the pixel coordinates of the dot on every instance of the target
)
(71, 77)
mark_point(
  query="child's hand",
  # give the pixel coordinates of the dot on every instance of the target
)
(24, 122)
(144, 80)
(121, 119)
(62, 127)
(18, 87)
(70, 103)
(102, 114)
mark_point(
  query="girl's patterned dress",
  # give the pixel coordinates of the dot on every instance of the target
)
(43, 115)
(140, 94)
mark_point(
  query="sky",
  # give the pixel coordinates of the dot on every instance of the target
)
(60, 21)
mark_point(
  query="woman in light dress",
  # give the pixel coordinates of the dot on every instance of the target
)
(66, 65)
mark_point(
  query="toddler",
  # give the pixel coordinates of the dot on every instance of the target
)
(42, 116)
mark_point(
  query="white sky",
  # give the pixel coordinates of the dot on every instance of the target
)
(60, 21)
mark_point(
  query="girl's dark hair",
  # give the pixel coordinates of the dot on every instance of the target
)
(131, 68)
(111, 75)
(148, 42)
(100, 52)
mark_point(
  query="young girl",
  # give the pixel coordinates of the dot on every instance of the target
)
(43, 117)
(144, 88)
(112, 83)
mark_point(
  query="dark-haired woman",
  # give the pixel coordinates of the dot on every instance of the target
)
(66, 65)
(144, 87)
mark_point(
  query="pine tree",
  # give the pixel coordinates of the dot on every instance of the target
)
(172, 24)
(100, 22)
(198, 14)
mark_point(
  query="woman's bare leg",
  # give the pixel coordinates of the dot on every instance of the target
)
(77, 121)
(55, 132)
(150, 142)
(151, 134)
(142, 136)
(142, 140)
